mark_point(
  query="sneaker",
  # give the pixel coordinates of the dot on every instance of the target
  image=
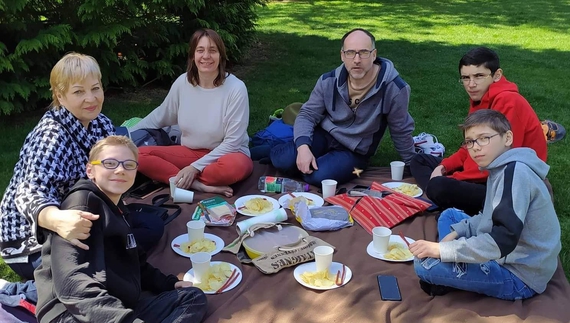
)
(424, 140)
(426, 143)
(553, 131)
(437, 150)
(435, 290)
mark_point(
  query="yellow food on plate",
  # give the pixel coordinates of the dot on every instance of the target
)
(291, 203)
(258, 205)
(217, 276)
(397, 251)
(201, 245)
(408, 189)
(318, 278)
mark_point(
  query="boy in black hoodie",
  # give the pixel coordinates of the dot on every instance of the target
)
(104, 283)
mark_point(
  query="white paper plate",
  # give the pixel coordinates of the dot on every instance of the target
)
(317, 200)
(393, 239)
(184, 238)
(312, 266)
(394, 185)
(189, 277)
(240, 203)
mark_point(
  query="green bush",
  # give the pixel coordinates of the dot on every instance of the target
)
(134, 41)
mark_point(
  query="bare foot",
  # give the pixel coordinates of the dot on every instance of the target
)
(223, 190)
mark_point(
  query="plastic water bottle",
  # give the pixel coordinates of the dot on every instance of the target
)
(272, 184)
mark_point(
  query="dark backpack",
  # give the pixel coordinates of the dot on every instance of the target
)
(276, 133)
(150, 137)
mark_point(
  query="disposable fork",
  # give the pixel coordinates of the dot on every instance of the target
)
(340, 276)
(229, 282)
(294, 196)
(404, 238)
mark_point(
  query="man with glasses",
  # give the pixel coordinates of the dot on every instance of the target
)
(341, 125)
(457, 181)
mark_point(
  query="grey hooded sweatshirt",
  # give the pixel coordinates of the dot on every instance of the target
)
(385, 105)
(518, 226)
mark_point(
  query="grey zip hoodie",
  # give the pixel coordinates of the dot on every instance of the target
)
(518, 226)
(385, 105)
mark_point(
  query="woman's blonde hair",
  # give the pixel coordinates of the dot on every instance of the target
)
(70, 69)
(113, 141)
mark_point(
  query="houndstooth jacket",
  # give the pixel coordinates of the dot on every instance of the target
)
(51, 160)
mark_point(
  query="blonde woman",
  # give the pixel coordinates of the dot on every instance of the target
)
(51, 161)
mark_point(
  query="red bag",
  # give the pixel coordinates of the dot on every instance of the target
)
(371, 212)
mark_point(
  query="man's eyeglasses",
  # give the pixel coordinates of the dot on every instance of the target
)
(477, 78)
(111, 163)
(481, 141)
(363, 53)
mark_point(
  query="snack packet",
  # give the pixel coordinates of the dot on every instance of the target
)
(324, 218)
(215, 211)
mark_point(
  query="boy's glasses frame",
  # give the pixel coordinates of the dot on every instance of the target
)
(477, 78)
(481, 141)
(112, 163)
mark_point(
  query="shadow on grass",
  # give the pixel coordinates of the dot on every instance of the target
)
(289, 73)
(421, 16)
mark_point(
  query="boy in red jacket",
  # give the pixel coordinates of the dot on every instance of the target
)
(457, 181)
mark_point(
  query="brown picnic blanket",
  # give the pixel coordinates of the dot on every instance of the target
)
(280, 298)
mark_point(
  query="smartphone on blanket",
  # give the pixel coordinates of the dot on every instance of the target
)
(389, 289)
(432, 207)
(146, 189)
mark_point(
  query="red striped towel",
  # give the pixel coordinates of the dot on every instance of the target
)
(372, 212)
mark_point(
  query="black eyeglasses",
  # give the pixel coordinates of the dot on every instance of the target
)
(477, 78)
(481, 141)
(363, 53)
(111, 163)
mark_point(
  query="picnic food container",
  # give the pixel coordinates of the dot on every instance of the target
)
(268, 240)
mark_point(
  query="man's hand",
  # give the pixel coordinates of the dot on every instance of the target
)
(423, 249)
(306, 159)
(438, 171)
(182, 284)
(186, 176)
(74, 225)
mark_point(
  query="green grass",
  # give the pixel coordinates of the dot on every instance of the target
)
(300, 40)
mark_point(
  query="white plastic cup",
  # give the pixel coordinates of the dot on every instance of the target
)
(397, 168)
(201, 265)
(172, 186)
(381, 239)
(182, 196)
(323, 257)
(195, 230)
(329, 187)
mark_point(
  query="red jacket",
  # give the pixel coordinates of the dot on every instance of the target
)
(502, 96)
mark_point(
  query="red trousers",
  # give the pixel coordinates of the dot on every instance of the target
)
(162, 162)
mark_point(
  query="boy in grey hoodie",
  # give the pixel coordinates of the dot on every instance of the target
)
(341, 125)
(510, 249)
